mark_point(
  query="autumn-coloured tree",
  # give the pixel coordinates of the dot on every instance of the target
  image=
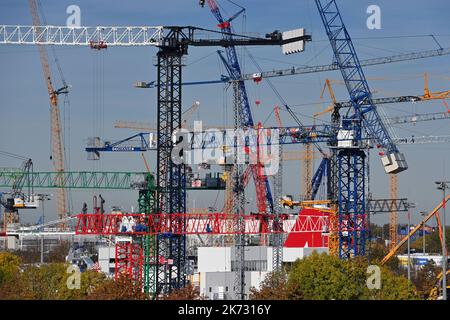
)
(120, 289)
(89, 281)
(187, 293)
(59, 252)
(273, 287)
(426, 279)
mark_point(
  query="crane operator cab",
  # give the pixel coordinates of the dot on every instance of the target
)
(25, 202)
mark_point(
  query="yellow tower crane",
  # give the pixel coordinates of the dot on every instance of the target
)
(146, 126)
(440, 95)
(57, 143)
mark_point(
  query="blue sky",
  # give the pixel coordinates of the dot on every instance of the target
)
(102, 90)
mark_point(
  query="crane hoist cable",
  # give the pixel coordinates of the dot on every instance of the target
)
(283, 102)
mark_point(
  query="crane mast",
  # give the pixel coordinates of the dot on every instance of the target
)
(55, 122)
(350, 156)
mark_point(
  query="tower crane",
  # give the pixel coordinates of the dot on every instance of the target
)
(172, 42)
(277, 246)
(350, 157)
(242, 109)
(318, 68)
(55, 122)
(18, 199)
(427, 96)
(146, 126)
(433, 213)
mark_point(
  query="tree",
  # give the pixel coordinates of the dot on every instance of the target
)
(41, 283)
(120, 289)
(59, 252)
(29, 256)
(393, 287)
(322, 277)
(9, 266)
(273, 287)
(432, 241)
(426, 279)
(187, 293)
(325, 277)
(90, 280)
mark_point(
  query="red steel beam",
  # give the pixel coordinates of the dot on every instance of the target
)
(198, 223)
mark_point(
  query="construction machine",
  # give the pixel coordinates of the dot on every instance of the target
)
(17, 198)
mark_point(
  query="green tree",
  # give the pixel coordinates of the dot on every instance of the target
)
(44, 282)
(432, 241)
(90, 280)
(322, 277)
(393, 287)
(9, 266)
(325, 277)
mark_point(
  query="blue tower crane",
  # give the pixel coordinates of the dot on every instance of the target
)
(349, 157)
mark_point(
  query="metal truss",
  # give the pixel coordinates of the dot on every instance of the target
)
(352, 227)
(387, 205)
(74, 179)
(331, 67)
(132, 224)
(423, 140)
(352, 72)
(128, 257)
(146, 202)
(238, 199)
(171, 195)
(81, 36)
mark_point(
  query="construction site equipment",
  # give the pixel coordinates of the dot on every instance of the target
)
(170, 176)
(435, 213)
(173, 43)
(18, 199)
(428, 95)
(350, 158)
(137, 142)
(393, 186)
(435, 291)
(75, 179)
(171, 198)
(57, 142)
(101, 180)
(313, 69)
(423, 140)
(419, 118)
(147, 126)
(277, 245)
(198, 223)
